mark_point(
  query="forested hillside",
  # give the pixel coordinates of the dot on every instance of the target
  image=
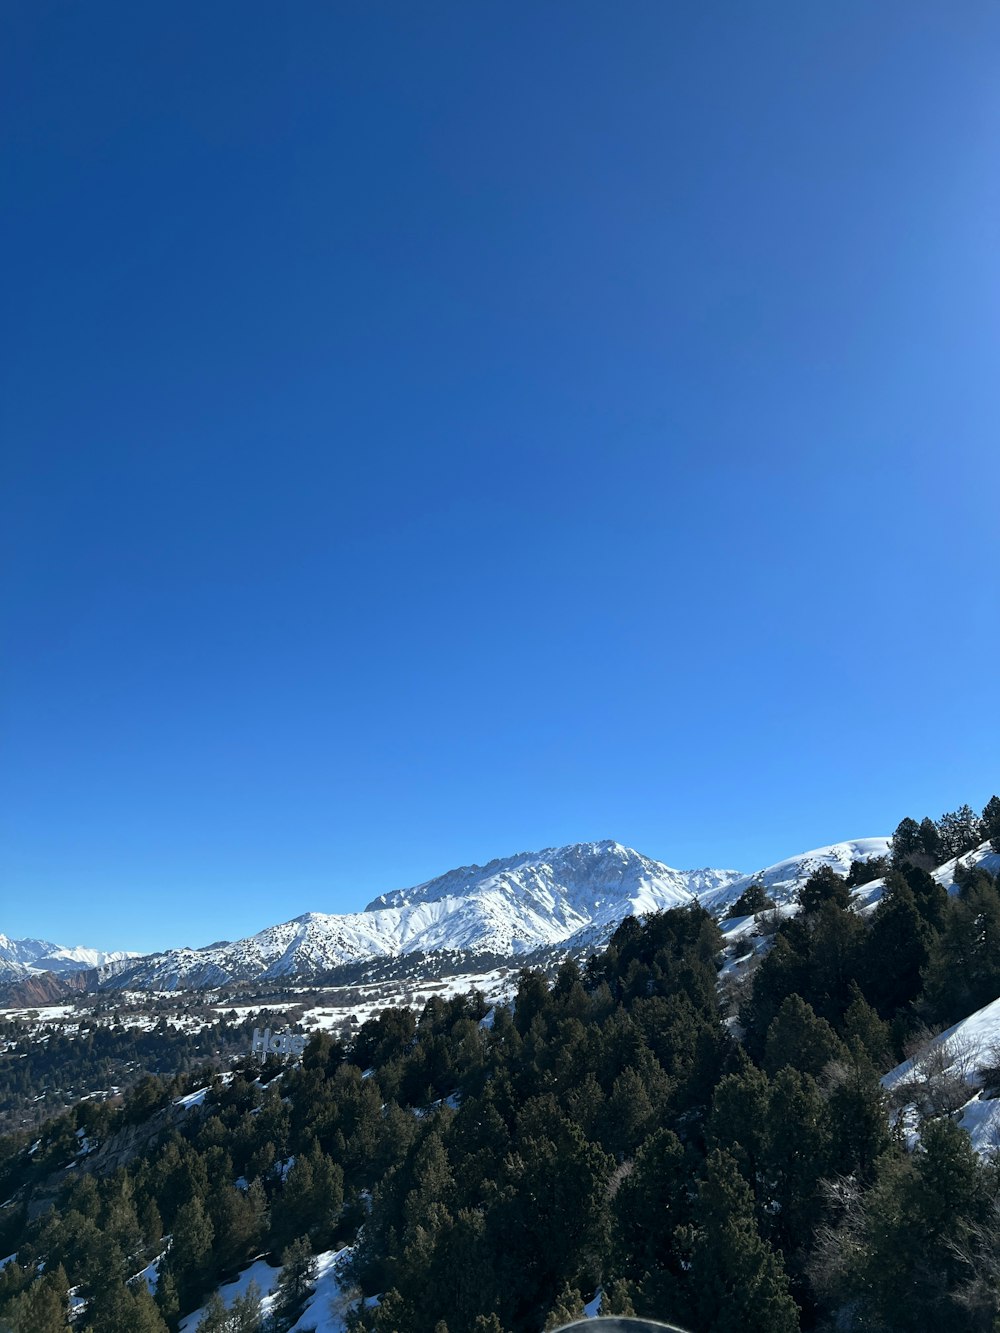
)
(724, 1158)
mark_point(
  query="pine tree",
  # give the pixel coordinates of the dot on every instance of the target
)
(906, 841)
(753, 899)
(737, 1121)
(798, 1038)
(930, 841)
(738, 1282)
(616, 1299)
(649, 1205)
(921, 1206)
(796, 1157)
(898, 948)
(823, 885)
(167, 1300)
(298, 1273)
(568, 1306)
(40, 1308)
(863, 1028)
(245, 1312)
(190, 1255)
(991, 822)
(961, 830)
(146, 1316)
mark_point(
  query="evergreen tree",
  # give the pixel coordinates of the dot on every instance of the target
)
(651, 1202)
(858, 1116)
(167, 1299)
(796, 1156)
(798, 1038)
(931, 899)
(991, 822)
(905, 842)
(298, 1273)
(863, 872)
(190, 1256)
(753, 899)
(898, 948)
(963, 967)
(908, 1262)
(737, 1122)
(930, 841)
(738, 1282)
(216, 1316)
(961, 831)
(862, 1028)
(824, 885)
(568, 1306)
(245, 1312)
(40, 1308)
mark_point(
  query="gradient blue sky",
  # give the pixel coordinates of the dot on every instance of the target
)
(436, 431)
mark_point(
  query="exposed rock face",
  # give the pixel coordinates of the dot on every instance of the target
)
(116, 1151)
(47, 988)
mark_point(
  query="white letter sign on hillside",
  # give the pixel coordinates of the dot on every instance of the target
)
(282, 1043)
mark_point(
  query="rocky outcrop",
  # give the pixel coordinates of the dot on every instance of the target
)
(47, 988)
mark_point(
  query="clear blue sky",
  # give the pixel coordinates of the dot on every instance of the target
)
(432, 431)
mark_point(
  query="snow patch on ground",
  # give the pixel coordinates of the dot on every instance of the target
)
(326, 1309)
(260, 1272)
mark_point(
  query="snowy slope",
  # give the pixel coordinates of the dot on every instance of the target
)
(960, 1052)
(572, 896)
(784, 879)
(866, 897)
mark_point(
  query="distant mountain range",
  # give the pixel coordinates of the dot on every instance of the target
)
(562, 896)
(25, 958)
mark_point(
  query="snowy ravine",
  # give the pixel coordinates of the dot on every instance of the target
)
(571, 896)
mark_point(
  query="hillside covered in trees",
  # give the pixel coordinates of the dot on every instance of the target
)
(723, 1158)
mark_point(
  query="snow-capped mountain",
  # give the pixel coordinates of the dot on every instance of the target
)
(572, 896)
(24, 958)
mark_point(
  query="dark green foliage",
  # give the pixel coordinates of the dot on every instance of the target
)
(930, 897)
(963, 967)
(41, 1307)
(298, 1273)
(863, 1030)
(858, 1120)
(754, 898)
(823, 886)
(737, 1282)
(612, 1131)
(960, 831)
(911, 1222)
(931, 843)
(190, 1254)
(651, 1202)
(991, 822)
(898, 948)
(863, 872)
(798, 1038)
(906, 842)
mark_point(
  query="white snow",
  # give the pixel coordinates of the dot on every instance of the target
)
(962, 1051)
(264, 1274)
(325, 1310)
(192, 1099)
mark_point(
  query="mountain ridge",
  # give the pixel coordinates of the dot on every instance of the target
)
(572, 896)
